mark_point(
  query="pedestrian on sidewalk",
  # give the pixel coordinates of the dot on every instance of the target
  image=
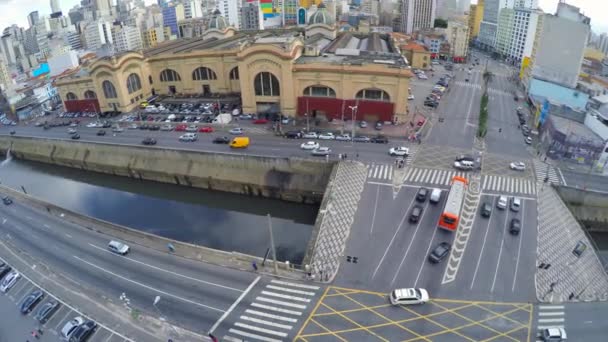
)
(255, 266)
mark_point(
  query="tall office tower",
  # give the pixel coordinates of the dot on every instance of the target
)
(417, 14)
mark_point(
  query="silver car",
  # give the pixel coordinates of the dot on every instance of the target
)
(9, 281)
(321, 151)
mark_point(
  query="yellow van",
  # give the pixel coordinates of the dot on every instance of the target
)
(143, 104)
(239, 142)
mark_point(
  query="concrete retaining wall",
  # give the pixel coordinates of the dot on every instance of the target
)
(290, 179)
(588, 206)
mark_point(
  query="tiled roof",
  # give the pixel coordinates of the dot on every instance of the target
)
(414, 47)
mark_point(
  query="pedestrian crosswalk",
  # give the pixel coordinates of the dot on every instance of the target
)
(502, 184)
(432, 176)
(543, 170)
(468, 84)
(380, 171)
(550, 316)
(273, 313)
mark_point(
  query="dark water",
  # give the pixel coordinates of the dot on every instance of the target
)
(219, 220)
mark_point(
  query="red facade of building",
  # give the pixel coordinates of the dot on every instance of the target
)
(333, 108)
(88, 105)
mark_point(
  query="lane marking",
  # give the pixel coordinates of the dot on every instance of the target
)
(523, 210)
(306, 293)
(425, 256)
(256, 336)
(562, 176)
(483, 245)
(262, 330)
(504, 232)
(540, 327)
(170, 272)
(424, 212)
(550, 320)
(279, 302)
(238, 300)
(277, 317)
(261, 321)
(551, 307)
(304, 286)
(371, 231)
(284, 296)
(551, 313)
(274, 308)
(148, 287)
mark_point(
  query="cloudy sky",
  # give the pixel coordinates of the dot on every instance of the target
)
(16, 11)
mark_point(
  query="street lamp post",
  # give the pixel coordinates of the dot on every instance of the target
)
(353, 110)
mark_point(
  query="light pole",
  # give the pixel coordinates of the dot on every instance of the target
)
(353, 110)
(274, 251)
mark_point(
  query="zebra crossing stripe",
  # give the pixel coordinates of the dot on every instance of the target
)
(262, 330)
(284, 296)
(261, 321)
(285, 289)
(418, 174)
(408, 173)
(274, 308)
(277, 317)
(287, 283)
(280, 302)
(485, 182)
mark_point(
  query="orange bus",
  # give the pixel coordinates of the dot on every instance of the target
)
(451, 213)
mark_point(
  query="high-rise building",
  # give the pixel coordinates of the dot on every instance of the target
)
(152, 36)
(552, 60)
(457, 35)
(33, 18)
(475, 17)
(55, 6)
(5, 76)
(192, 9)
(602, 43)
(126, 38)
(171, 15)
(252, 17)
(516, 33)
(231, 11)
(97, 34)
(489, 24)
(290, 12)
(417, 15)
(73, 40)
(103, 8)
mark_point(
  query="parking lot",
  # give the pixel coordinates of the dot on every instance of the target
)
(16, 326)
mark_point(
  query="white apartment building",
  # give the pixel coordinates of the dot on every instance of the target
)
(516, 33)
(488, 27)
(192, 9)
(126, 38)
(457, 35)
(73, 40)
(231, 11)
(97, 34)
(602, 43)
(417, 14)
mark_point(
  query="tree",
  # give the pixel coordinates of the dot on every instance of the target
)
(441, 23)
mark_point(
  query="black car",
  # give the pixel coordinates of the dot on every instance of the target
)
(155, 128)
(83, 331)
(4, 269)
(293, 135)
(432, 104)
(380, 139)
(101, 132)
(46, 311)
(486, 209)
(6, 200)
(515, 226)
(221, 140)
(107, 124)
(464, 157)
(144, 126)
(30, 301)
(440, 252)
(422, 194)
(149, 141)
(75, 136)
(416, 214)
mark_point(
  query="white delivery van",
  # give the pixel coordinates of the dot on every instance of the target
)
(435, 196)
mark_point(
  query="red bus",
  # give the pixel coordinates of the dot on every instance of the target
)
(451, 213)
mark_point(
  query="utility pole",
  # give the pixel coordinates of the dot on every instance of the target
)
(354, 112)
(274, 251)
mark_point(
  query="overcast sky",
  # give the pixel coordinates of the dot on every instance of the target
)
(16, 11)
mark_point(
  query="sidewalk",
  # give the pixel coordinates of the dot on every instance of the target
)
(565, 276)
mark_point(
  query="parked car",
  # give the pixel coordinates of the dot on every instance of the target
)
(310, 135)
(260, 121)
(189, 137)
(4, 269)
(528, 140)
(378, 126)
(502, 202)
(400, 151)
(72, 131)
(192, 128)
(361, 138)
(410, 97)
(206, 129)
(118, 129)
(518, 166)
(408, 296)
(486, 209)
(70, 326)
(362, 124)
(46, 311)
(75, 136)
(180, 128)
(83, 331)
(515, 226)
(221, 140)
(416, 213)
(101, 132)
(166, 128)
(515, 204)
(149, 141)
(464, 165)
(321, 151)
(293, 135)
(7, 200)
(380, 139)
(343, 137)
(440, 252)
(431, 103)
(9, 281)
(326, 136)
(310, 145)
(553, 334)
(29, 302)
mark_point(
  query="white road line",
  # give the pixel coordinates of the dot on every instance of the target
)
(561, 175)
(68, 236)
(277, 317)
(371, 229)
(284, 296)
(560, 313)
(485, 182)
(256, 336)
(236, 302)
(167, 271)
(63, 319)
(424, 211)
(521, 234)
(393, 239)
(46, 226)
(550, 320)
(147, 286)
(280, 302)
(109, 337)
(502, 242)
(262, 330)
(306, 293)
(274, 308)
(232, 339)
(425, 256)
(482, 248)
(540, 327)
(551, 307)
(261, 321)
(303, 286)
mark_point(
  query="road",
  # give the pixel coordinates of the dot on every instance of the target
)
(582, 321)
(194, 295)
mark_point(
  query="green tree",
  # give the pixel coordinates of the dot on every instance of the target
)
(441, 23)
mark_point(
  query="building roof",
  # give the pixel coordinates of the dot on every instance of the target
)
(603, 99)
(413, 46)
(576, 131)
(558, 94)
(217, 22)
(321, 16)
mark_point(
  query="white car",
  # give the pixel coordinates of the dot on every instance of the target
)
(502, 202)
(188, 137)
(71, 131)
(400, 151)
(132, 126)
(553, 334)
(343, 137)
(166, 128)
(408, 296)
(529, 140)
(518, 166)
(69, 328)
(321, 151)
(464, 165)
(192, 128)
(9, 281)
(422, 76)
(310, 145)
(410, 97)
(236, 131)
(310, 135)
(93, 125)
(327, 136)
(118, 129)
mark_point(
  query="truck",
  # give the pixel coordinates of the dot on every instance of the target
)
(223, 118)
